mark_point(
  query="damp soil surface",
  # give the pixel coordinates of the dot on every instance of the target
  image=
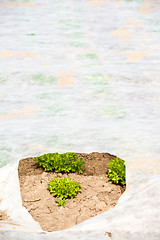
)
(95, 197)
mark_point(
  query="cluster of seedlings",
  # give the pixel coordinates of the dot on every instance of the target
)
(66, 188)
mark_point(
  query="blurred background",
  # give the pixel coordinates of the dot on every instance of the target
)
(80, 76)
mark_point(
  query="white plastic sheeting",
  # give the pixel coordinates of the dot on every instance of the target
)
(136, 216)
(82, 76)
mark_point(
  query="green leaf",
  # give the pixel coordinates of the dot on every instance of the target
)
(65, 163)
(116, 171)
(63, 189)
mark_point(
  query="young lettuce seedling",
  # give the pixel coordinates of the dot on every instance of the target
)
(116, 171)
(64, 189)
(64, 163)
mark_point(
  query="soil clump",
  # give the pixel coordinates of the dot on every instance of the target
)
(97, 195)
(3, 216)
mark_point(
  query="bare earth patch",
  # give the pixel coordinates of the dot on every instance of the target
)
(96, 197)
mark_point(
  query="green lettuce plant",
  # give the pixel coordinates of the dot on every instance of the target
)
(116, 171)
(64, 189)
(64, 163)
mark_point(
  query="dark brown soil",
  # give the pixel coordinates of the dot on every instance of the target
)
(96, 197)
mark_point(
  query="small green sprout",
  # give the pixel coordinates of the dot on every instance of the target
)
(64, 163)
(64, 189)
(116, 171)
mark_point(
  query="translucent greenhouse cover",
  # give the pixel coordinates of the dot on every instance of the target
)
(82, 76)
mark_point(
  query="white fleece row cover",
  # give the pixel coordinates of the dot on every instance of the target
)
(82, 76)
(136, 215)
